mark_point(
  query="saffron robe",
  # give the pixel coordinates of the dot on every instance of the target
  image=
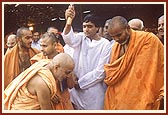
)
(11, 63)
(136, 79)
(17, 96)
(65, 96)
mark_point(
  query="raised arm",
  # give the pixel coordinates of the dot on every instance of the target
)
(69, 15)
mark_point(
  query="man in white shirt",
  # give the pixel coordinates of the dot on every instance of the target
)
(36, 41)
(91, 52)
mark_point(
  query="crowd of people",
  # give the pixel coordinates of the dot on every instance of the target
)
(121, 68)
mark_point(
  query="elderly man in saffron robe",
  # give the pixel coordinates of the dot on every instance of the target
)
(37, 87)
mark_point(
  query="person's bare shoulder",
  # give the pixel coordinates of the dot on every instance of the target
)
(35, 84)
(38, 87)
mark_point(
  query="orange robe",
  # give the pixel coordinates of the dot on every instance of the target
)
(136, 79)
(11, 63)
(37, 58)
(17, 96)
(65, 96)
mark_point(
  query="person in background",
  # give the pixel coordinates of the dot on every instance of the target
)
(11, 41)
(48, 46)
(39, 85)
(105, 32)
(61, 42)
(160, 28)
(136, 24)
(135, 74)
(36, 41)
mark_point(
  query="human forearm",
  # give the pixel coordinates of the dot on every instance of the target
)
(67, 29)
(69, 15)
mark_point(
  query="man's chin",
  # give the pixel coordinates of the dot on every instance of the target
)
(161, 33)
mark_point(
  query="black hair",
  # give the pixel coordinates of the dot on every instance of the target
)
(60, 38)
(52, 27)
(92, 18)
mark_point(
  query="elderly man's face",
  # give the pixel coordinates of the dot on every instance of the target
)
(161, 26)
(11, 42)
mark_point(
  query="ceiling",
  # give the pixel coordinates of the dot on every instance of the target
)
(41, 16)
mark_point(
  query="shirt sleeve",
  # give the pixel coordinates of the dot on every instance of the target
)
(73, 40)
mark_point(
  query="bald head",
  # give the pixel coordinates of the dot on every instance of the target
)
(161, 17)
(64, 60)
(161, 26)
(136, 24)
(119, 30)
(11, 41)
(62, 66)
(21, 31)
(118, 21)
(50, 36)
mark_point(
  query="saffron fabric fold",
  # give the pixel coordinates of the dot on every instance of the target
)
(136, 79)
(11, 63)
(64, 96)
(16, 94)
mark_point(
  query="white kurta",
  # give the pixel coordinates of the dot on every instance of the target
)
(90, 57)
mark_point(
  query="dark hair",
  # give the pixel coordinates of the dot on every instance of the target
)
(52, 27)
(60, 38)
(92, 18)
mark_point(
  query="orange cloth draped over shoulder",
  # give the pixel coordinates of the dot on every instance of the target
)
(16, 94)
(37, 58)
(65, 96)
(136, 79)
(11, 63)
